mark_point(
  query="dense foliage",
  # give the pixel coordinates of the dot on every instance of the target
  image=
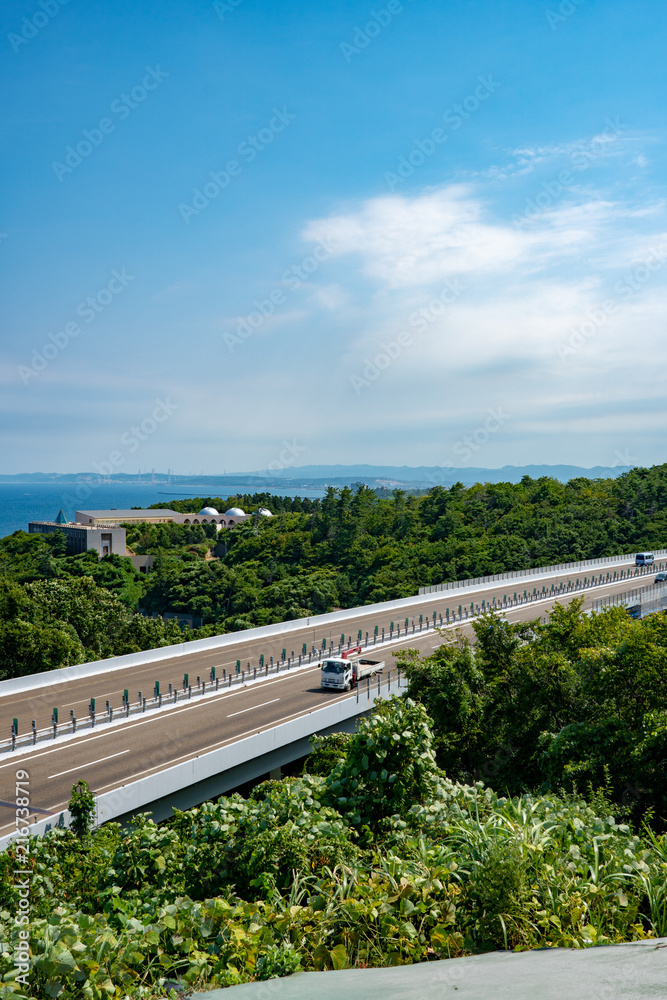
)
(383, 860)
(355, 546)
(576, 700)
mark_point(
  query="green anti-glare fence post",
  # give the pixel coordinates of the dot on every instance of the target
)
(261, 657)
(15, 727)
(324, 643)
(238, 666)
(342, 639)
(359, 633)
(212, 673)
(391, 627)
(406, 623)
(303, 650)
(284, 655)
(126, 696)
(186, 681)
(55, 716)
(157, 689)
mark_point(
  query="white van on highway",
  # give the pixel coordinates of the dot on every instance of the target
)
(644, 559)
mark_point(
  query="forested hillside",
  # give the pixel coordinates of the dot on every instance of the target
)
(352, 547)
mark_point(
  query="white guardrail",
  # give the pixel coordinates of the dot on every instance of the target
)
(538, 571)
(49, 678)
(641, 600)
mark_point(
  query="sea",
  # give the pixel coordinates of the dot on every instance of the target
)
(24, 502)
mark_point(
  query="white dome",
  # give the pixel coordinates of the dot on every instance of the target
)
(264, 512)
(234, 512)
(209, 511)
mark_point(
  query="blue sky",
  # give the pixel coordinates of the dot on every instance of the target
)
(240, 235)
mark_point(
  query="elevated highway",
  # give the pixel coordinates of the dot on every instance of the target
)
(127, 752)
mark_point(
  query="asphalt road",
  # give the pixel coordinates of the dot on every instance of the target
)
(76, 694)
(111, 756)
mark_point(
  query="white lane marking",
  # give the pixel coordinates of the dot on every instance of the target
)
(129, 725)
(211, 746)
(89, 763)
(264, 703)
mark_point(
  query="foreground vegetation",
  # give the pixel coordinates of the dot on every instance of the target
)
(372, 858)
(350, 548)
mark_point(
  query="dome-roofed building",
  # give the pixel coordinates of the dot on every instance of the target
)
(235, 512)
(208, 512)
(264, 512)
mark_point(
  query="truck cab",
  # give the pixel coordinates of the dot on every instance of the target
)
(343, 674)
(338, 673)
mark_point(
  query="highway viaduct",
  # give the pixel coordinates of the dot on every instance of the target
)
(182, 753)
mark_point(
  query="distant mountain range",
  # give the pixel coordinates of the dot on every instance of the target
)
(317, 476)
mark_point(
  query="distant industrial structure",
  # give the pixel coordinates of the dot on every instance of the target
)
(101, 531)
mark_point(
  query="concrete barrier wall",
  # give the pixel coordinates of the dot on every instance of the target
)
(538, 571)
(31, 682)
(138, 795)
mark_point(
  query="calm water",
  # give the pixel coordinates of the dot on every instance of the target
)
(23, 502)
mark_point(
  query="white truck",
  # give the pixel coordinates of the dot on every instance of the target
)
(342, 674)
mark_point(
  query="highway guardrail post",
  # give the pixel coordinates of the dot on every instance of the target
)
(34, 731)
(91, 711)
(383, 633)
(198, 681)
(254, 676)
(72, 718)
(143, 705)
(189, 693)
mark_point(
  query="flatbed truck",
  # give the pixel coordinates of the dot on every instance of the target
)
(340, 673)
